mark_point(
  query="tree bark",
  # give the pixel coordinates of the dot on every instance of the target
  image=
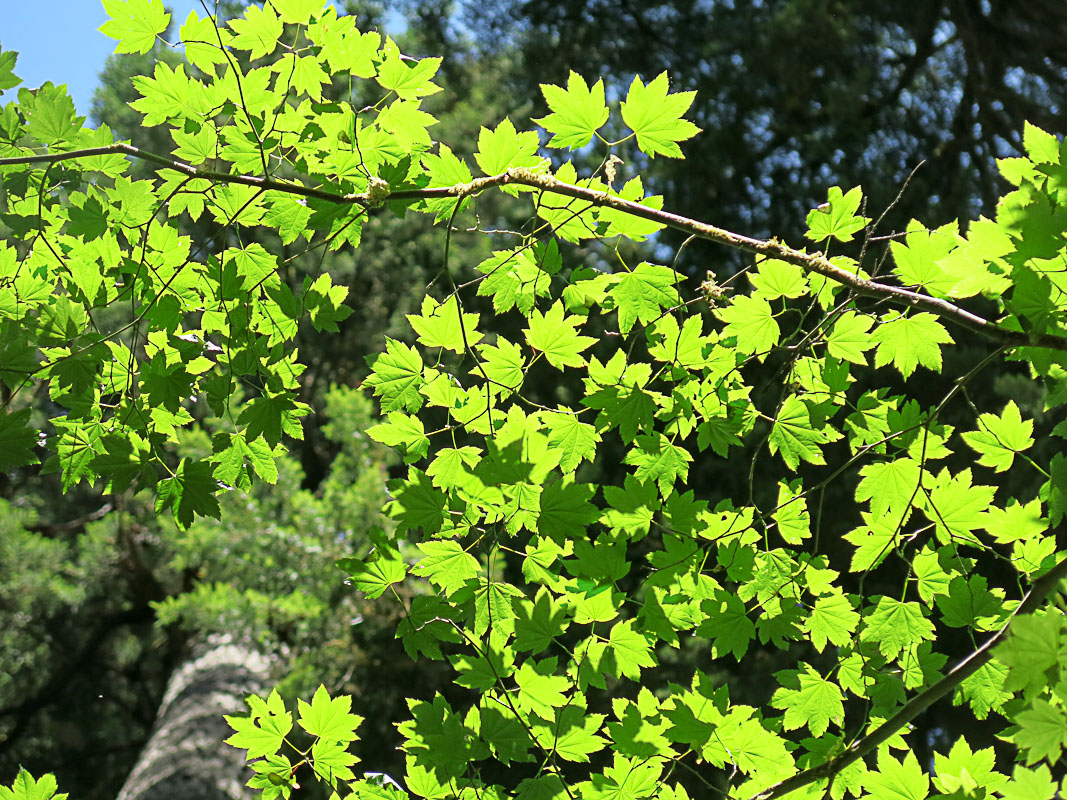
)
(185, 758)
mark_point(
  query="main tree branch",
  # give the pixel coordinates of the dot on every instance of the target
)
(378, 193)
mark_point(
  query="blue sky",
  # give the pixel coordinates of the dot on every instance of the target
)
(58, 41)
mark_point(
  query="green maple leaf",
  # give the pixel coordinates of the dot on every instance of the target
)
(446, 564)
(655, 116)
(907, 342)
(957, 508)
(504, 148)
(577, 112)
(331, 759)
(302, 74)
(832, 619)
(566, 510)
(1042, 731)
(964, 770)
(376, 573)
(616, 389)
(76, 449)
(516, 278)
(895, 626)
(170, 94)
(17, 440)
(1000, 438)
(874, 540)
(135, 23)
(794, 436)
(421, 781)
(970, 604)
(918, 258)
(684, 346)
(897, 780)
(437, 736)
(557, 337)
(808, 699)
(258, 31)
(931, 577)
(417, 503)
(837, 217)
(504, 734)
(849, 338)
(574, 440)
(445, 169)
(453, 466)
(25, 787)
(8, 79)
(658, 459)
(404, 432)
(396, 377)
(791, 515)
(493, 607)
(538, 623)
(269, 416)
(571, 219)
(51, 117)
(503, 365)
(195, 147)
(540, 689)
(751, 321)
(329, 718)
(630, 506)
(889, 485)
(755, 750)
(641, 728)
(984, 690)
(298, 12)
(409, 79)
(427, 624)
(261, 733)
(776, 279)
(642, 294)
(1017, 522)
(547, 787)
(1041, 146)
(345, 49)
(190, 492)
(324, 302)
(626, 779)
(572, 734)
(440, 325)
(234, 455)
(631, 650)
(1031, 650)
(201, 40)
(1029, 784)
(727, 625)
(623, 223)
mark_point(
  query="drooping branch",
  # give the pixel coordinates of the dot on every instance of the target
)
(1040, 590)
(378, 193)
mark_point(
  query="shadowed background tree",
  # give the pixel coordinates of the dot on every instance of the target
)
(100, 601)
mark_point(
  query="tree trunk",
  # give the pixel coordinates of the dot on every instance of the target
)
(185, 758)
